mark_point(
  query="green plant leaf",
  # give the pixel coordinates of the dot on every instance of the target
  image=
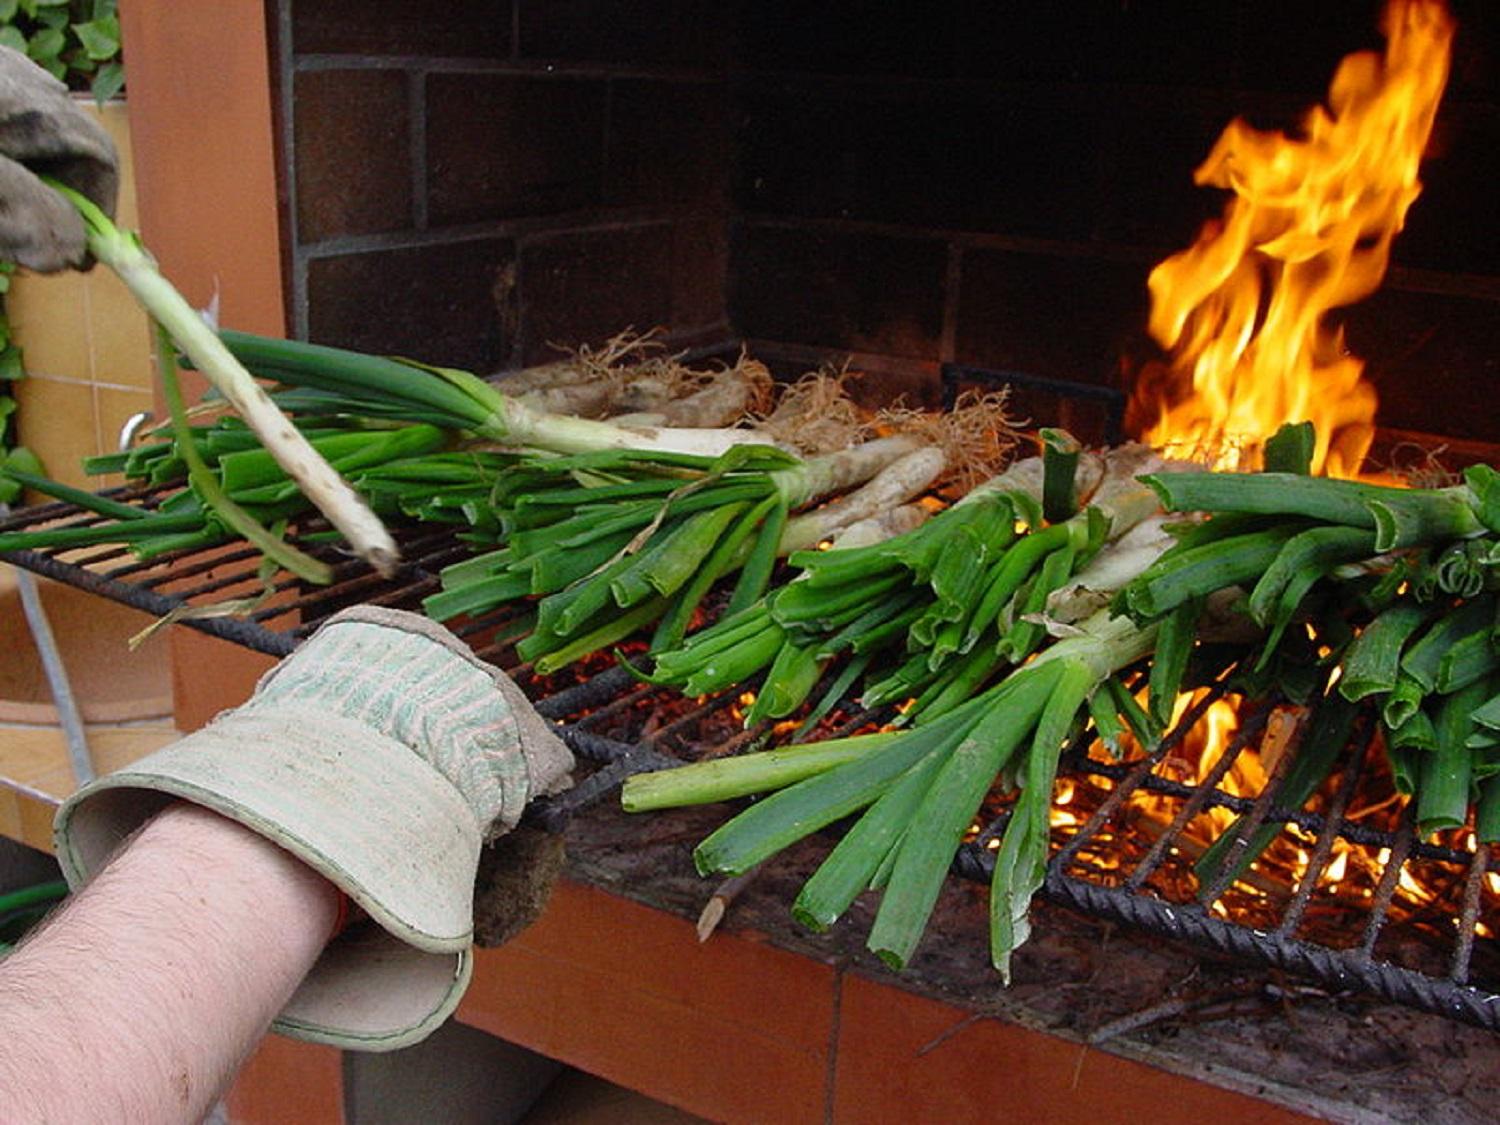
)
(26, 461)
(10, 364)
(8, 9)
(108, 82)
(45, 47)
(11, 37)
(100, 38)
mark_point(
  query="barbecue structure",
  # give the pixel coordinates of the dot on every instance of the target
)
(1363, 906)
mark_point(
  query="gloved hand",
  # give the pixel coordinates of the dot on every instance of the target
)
(382, 753)
(43, 132)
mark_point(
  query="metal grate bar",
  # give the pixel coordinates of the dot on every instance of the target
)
(1323, 851)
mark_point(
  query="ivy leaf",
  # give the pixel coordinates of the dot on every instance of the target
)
(8, 9)
(11, 368)
(10, 36)
(28, 462)
(18, 458)
(108, 82)
(45, 47)
(100, 38)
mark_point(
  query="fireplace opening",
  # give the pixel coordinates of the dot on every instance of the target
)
(969, 195)
(979, 185)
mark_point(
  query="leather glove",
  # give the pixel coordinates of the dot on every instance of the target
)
(43, 133)
(383, 754)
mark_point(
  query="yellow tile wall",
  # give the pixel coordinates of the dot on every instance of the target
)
(87, 346)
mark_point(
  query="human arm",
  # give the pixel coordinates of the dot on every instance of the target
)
(141, 997)
(382, 755)
(43, 133)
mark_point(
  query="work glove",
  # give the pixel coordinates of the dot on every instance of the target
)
(43, 133)
(383, 754)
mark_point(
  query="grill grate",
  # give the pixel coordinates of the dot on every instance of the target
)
(1430, 955)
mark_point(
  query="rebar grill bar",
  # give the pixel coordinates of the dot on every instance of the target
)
(623, 727)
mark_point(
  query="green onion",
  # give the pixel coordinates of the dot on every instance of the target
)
(123, 254)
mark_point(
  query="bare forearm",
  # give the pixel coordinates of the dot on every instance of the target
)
(142, 997)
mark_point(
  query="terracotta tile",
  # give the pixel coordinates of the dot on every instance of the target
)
(56, 420)
(287, 1080)
(115, 117)
(110, 749)
(36, 824)
(895, 1064)
(49, 315)
(10, 810)
(119, 334)
(732, 1029)
(209, 675)
(27, 752)
(113, 407)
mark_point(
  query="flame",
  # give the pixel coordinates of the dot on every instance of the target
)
(1308, 229)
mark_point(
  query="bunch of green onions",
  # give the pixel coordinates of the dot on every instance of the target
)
(920, 789)
(960, 582)
(1394, 590)
(612, 542)
(337, 381)
(400, 470)
(1405, 579)
(930, 616)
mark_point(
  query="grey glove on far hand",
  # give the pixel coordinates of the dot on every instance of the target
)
(43, 133)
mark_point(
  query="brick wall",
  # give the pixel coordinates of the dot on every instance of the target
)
(471, 181)
(977, 181)
(990, 183)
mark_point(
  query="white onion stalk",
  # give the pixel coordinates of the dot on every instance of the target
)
(123, 253)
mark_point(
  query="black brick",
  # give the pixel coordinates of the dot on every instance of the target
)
(694, 33)
(454, 28)
(353, 153)
(841, 290)
(500, 146)
(434, 303)
(1025, 167)
(1062, 318)
(669, 142)
(583, 288)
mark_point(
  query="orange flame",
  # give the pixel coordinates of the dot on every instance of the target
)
(1308, 229)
